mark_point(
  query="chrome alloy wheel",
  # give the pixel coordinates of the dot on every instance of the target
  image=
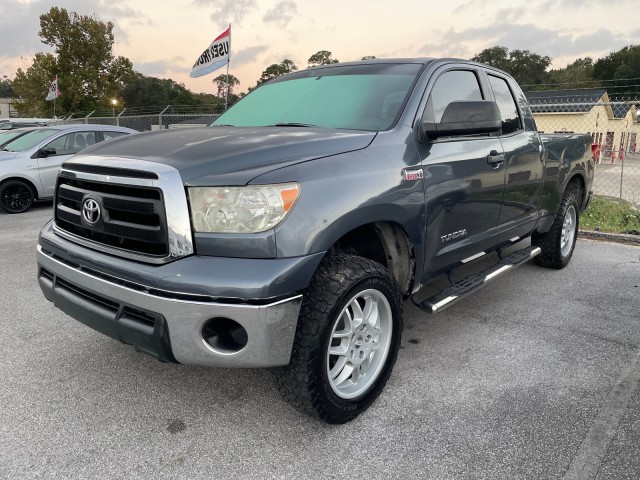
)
(359, 344)
(568, 231)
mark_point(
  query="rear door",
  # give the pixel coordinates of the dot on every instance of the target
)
(524, 161)
(463, 189)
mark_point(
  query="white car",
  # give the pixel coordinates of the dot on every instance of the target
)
(29, 163)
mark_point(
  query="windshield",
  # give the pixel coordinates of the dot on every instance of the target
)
(9, 135)
(360, 97)
(28, 140)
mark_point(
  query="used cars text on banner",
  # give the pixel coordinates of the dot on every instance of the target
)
(215, 56)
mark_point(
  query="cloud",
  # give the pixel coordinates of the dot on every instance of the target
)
(120, 15)
(20, 21)
(159, 68)
(465, 6)
(510, 15)
(111, 10)
(523, 37)
(248, 55)
(19, 26)
(225, 11)
(282, 13)
(581, 4)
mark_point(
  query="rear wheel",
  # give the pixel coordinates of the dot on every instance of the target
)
(559, 242)
(16, 196)
(347, 340)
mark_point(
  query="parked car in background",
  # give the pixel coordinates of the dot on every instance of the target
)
(11, 123)
(29, 163)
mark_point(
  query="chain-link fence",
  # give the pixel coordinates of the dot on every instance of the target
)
(613, 126)
(150, 119)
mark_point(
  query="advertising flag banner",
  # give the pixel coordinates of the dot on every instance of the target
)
(215, 56)
(54, 91)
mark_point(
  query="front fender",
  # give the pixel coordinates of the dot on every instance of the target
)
(344, 192)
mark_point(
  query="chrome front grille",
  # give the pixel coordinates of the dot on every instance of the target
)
(132, 217)
(121, 211)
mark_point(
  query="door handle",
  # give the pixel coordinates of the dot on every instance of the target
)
(495, 158)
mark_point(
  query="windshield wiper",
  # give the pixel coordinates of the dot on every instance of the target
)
(293, 124)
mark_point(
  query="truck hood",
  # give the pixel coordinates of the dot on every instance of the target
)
(229, 155)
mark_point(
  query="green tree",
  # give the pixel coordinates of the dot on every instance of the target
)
(369, 57)
(526, 67)
(156, 92)
(276, 70)
(225, 83)
(623, 66)
(578, 74)
(32, 87)
(529, 68)
(6, 87)
(495, 56)
(322, 57)
(89, 74)
(209, 99)
(145, 92)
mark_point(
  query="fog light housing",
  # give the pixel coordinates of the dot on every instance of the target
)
(224, 335)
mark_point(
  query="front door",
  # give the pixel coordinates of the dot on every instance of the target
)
(61, 148)
(463, 188)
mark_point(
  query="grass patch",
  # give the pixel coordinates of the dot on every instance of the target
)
(611, 215)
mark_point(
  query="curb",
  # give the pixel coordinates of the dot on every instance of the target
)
(610, 237)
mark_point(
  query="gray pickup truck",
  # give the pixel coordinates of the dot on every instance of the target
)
(288, 233)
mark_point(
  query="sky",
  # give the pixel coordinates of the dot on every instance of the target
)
(164, 38)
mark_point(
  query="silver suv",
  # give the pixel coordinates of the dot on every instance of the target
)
(29, 163)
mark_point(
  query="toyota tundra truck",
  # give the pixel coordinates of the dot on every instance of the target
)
(288, 233)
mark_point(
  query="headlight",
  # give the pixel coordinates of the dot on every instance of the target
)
(248, 209)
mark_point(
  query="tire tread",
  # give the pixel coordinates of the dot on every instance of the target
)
(299, 382)
(549, 242)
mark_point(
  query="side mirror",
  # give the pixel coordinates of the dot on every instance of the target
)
(47, 151)
(472, 117)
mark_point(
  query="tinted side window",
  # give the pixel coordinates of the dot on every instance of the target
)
(70, 143)
(510, 117)
(455, 85)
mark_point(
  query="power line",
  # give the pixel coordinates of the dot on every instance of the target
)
(583, 81)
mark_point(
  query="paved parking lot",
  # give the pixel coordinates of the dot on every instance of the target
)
(536, 376)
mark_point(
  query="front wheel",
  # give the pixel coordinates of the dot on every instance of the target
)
(346, 342)
(16, 196)
(558, 243)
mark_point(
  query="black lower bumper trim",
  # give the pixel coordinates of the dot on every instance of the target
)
(147, 331)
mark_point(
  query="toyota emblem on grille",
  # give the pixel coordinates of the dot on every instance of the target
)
(91, 211)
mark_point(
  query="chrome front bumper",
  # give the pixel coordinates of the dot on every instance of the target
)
(100, 302)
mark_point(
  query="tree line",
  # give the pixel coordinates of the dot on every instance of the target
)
(619, 71)
(92, 77)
